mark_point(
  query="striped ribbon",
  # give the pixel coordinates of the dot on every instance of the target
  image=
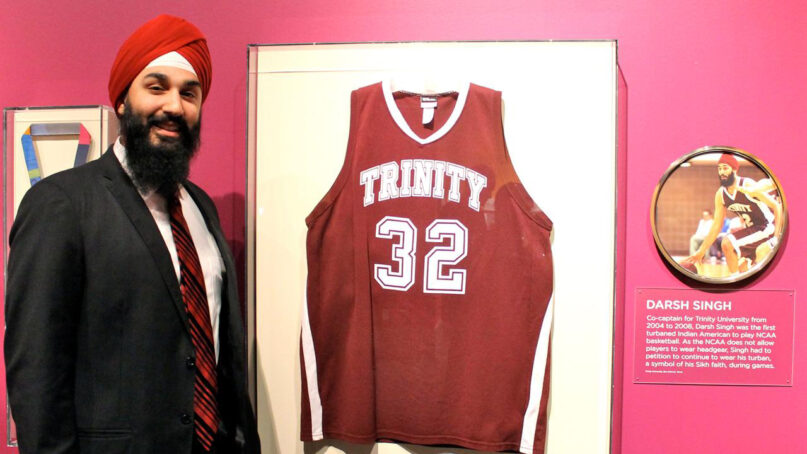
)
(48, 130)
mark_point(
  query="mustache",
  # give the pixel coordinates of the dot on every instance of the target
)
(157, 119)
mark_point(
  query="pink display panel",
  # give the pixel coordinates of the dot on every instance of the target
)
(697, 337)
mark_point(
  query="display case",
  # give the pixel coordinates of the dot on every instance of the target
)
(40, 141)
(560, 122)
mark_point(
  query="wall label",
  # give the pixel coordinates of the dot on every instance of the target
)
(685, 336)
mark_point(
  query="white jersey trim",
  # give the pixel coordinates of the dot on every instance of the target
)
(310, 364)
(537, 383)
(750, 239)
(404, 126)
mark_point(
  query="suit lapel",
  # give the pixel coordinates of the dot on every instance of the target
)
(121, 187)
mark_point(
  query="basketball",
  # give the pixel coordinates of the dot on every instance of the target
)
(689, 267)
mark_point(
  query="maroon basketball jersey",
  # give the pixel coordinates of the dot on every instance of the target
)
(429, 282)
(752, 211)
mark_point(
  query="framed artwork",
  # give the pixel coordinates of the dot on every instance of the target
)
(718, 215)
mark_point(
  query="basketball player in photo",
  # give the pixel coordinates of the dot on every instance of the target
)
(751, 202)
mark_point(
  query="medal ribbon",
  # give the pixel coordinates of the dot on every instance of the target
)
(53, 129)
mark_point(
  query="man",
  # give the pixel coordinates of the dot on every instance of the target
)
(704, 224)
(124, 331)
(749, 201)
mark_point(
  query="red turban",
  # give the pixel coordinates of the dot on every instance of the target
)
(729, 160)
(157, 37)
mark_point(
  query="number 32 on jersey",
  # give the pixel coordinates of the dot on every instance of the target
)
(436, 279)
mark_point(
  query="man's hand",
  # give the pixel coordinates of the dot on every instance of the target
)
(692, 259)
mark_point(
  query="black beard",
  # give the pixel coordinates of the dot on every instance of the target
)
(162, 167)
(728, 181)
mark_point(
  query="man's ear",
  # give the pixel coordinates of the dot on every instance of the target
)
(121, 108)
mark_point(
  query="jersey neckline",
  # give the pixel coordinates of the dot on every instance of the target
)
(740, 183)
(399, 119)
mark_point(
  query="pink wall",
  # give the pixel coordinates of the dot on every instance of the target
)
(698, 73)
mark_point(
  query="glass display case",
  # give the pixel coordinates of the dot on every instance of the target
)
(40, 141)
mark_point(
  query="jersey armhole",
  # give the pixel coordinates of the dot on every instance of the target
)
(330, 197)
(517, 189)
(530, 208)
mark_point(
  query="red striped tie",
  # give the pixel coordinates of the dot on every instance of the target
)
(194, 294)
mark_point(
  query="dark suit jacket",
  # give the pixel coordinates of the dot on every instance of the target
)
(99, 358)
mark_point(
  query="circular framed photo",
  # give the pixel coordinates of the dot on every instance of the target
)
(718, 215)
